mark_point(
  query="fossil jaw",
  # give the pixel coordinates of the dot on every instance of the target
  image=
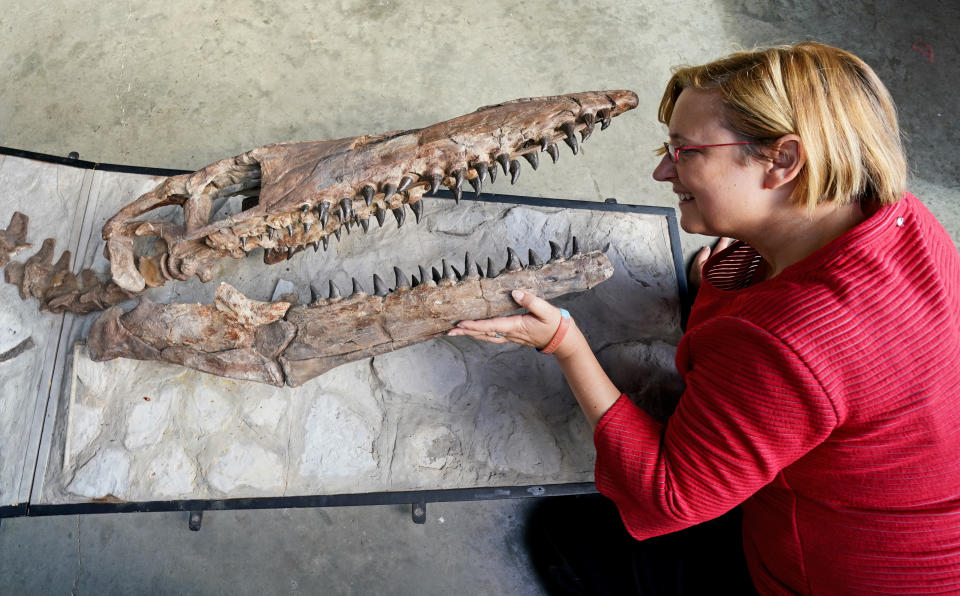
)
(280, 343)
(296, 195)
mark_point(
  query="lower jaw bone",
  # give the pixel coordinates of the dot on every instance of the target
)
(279, 343)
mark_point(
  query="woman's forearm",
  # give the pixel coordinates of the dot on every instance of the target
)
(594, 390)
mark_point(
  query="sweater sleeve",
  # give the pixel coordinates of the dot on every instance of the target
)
(751, 407)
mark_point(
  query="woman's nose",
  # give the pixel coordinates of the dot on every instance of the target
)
(665, 170)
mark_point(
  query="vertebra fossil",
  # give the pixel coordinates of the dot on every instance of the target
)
(297, 195)
(277, 342)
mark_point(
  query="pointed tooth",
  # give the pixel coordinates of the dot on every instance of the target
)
(456, 273)
(357, 288)
(504, 160)
(381, 215)
(290, 230)
(367, 193)
(492, 170)
(424, 274)
(400, 214)
(604, 116)
(306, 227)
(326, 242)
(556, 253)
(469, 266)
(435, 182)
(324, 213)
(534, 259)
(417, 208)
(513, 261)
(571, 139)
(334, 291)
(544, 143)
(576, 246)
(304, 209)
(405, 183)
(514, 170)
(315, 294)
(479, 269)
(365, 224)
(477, 185)
(491, 268)
(389, 190)
(534, 158)
(436, 275)
(243, 242)
(379, 288)
(588, 129)
(337, 233)
(448, 273)
(316, 245)
(346, 210)
(402, 281)
(457, 187)
(554, 152)
(481, 169)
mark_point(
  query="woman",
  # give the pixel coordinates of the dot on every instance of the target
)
(822, 354)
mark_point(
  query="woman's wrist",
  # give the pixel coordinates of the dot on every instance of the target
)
(573, 343)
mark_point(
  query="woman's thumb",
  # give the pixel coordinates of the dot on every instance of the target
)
(538, 307)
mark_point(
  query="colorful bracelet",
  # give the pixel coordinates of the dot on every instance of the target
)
(551, 347)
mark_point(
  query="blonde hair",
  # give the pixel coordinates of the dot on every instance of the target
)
(828, 97)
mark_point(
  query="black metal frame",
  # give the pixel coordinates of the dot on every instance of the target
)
(417, 499)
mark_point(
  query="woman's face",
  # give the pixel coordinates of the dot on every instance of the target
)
(720, 189)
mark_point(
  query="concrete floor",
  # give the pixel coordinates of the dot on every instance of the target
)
(180, 84)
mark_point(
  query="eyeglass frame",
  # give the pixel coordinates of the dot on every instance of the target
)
(676, 150)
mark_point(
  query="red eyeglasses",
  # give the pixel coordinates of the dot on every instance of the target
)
(674, 152)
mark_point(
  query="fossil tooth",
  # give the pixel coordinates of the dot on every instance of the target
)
(448, 273)
(571, 139)
(346, 211)
(533, 158)
(456, 273)
(504, 161)
(400, 214)
(315, 295)
(477, 185)
(493, 174)
(554, 152)
(576, 246)
(469, 267)
(389, 190)
(334, 291)
(435, 182)
(401, 278)
(545, 142)
(534, 259)
(417, 208)
(424, 274)
(367, 193)
(436, 275)
(337, 234)
(381, 215)
(379, 288)
(290, 230)
(556, 253)
(491, 269)
(405, 183)
(316, 245)
(588, 129)
(357, 288)
(481, 169)
(324, 213)
(304, 209)
(513, 261)
(604, 119)
(243, 242)
(326, 242)
(306, 227)
(365, 224)
(457, 187)
(514, 170)
(479, 269)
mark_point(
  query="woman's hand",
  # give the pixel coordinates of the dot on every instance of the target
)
(695, 276)
(536, 328)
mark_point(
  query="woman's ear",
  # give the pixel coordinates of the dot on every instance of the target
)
(786, 163)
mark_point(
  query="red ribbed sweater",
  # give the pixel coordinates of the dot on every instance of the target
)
(827, 402)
